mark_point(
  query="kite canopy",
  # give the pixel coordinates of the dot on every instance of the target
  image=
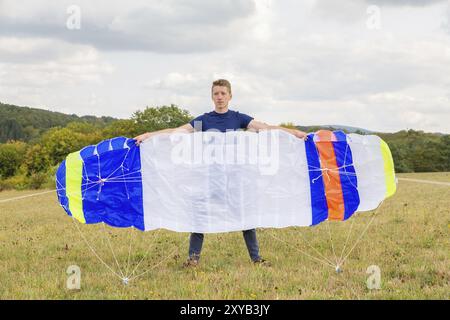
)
(219, 182)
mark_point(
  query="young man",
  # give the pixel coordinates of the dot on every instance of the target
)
(222, 119)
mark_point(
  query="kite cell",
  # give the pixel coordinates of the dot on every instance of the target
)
(210, 182)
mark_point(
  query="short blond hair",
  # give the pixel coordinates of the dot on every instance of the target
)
(222, 83)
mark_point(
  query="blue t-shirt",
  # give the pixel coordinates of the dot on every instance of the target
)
(230, 120)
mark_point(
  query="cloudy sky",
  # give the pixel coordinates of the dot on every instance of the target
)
(378, 64)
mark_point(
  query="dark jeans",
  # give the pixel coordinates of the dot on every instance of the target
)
(196, 242)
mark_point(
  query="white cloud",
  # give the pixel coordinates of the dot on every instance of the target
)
(44, 62)
(312, 62)
(175, 81)
(419, 3)
(159, 26)
(42, 72)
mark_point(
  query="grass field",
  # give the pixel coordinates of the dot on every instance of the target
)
(408, 239)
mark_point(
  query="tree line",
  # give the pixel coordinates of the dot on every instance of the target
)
(32, 163)
(25, 124)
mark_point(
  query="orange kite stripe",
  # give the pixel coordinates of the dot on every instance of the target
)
(331, 178)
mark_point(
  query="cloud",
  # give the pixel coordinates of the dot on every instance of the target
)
(396, 3)
(320, 67)
(355, 11)
(306, 63)
(43, 62)
(332, 5)
(382, 82)
(170, 26)
(174, 81)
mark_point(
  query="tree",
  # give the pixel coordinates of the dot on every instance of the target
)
(11, 157)
(10, 129)
(153, 119)
(123, 128)
(445, 147)
(37, 160)
(57, 143)
(400, 156)
(289, 125)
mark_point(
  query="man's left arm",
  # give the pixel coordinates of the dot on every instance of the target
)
(258, 126)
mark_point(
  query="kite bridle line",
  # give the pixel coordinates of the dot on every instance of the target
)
(126, 277)
(160, 262)
(130, 177)
(112, 251)
(99, 182)
(325, 171)
(94, 252)
(27, 196)
(332, 244)
(122, 179)
(322, 260)
(325, 262)
(362, 234)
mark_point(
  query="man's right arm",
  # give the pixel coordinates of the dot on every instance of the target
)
(184, 128)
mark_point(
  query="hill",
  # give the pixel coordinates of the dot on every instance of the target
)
(25, 123)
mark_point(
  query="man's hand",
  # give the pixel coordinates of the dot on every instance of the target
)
(139, 139)
(257, 126)
(300, 134)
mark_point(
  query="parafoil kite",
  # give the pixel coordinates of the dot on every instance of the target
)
(219, 182)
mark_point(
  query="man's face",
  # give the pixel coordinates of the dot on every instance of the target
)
(221, 97)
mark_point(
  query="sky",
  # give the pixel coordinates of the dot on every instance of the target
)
(382, 65)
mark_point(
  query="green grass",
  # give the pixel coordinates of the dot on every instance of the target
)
(408, 239)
